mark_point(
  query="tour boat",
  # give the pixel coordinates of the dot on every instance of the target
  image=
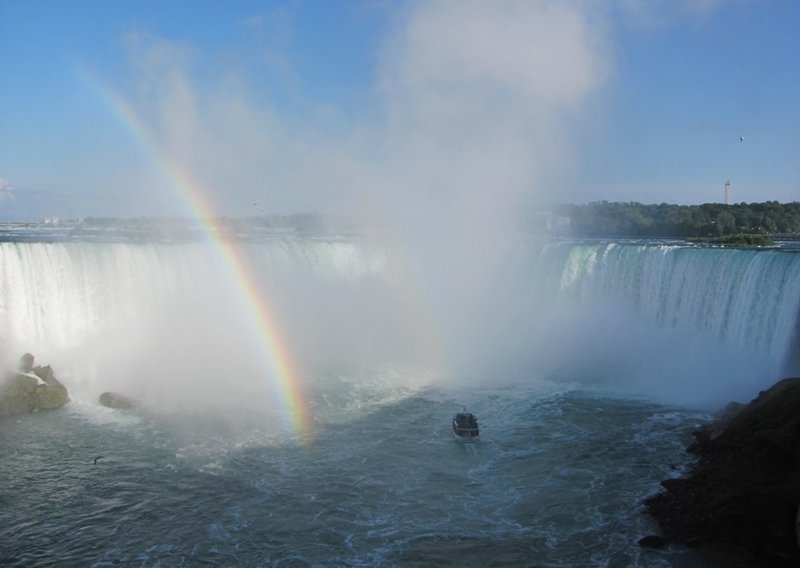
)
(465, 426)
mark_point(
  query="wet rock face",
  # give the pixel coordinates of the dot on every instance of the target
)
(742, 494)
(30, 389)
(116, 400)
(26, 363)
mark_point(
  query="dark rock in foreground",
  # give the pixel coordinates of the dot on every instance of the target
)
(742, 494)
(31, 389)
(652, 541)
(116, 400)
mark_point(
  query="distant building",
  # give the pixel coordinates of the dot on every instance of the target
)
(51, 221)
(728, 193)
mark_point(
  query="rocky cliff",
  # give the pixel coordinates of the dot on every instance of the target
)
(741, 496)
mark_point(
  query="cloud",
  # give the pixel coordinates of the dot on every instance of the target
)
(6, 191)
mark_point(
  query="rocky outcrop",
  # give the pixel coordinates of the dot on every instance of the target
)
(31, 389)
(742, 494)
(26, 363)
(116, 400)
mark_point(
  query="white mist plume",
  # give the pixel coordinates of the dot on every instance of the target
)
(477, 99)
(474, 97)
(470, 108)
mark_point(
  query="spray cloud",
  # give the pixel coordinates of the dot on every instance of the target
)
(469, 110)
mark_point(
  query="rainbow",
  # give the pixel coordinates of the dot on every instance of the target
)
(275, 353)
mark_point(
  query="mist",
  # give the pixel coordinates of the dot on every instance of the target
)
(472, 106)
(473, 110)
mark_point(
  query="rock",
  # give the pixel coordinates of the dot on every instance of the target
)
(743, 491)
(116, 400)
(31, 389)
(652, 541)
(26, 363)
(54, 394)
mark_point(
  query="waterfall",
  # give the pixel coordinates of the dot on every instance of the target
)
(747, 298)
(338, 302)
(55, 294)
(747, 302)
(144, 310)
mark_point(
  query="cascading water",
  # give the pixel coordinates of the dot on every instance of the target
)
(745, 298)
(336, 301)
(719, 323)
(161, 320)
(55, 294)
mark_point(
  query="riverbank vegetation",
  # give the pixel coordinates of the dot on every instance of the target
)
(710, 220)
(738, 240)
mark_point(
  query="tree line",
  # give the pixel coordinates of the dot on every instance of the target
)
(633, 219)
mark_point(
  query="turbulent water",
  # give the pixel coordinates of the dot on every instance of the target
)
(598, 360)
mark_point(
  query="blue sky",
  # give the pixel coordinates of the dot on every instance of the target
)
(387, 108)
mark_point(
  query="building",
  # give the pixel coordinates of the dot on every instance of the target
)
(728, 193)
